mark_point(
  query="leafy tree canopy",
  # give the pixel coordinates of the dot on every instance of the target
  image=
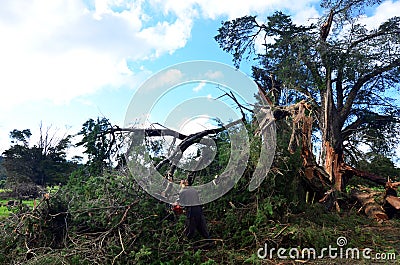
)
(100, 144)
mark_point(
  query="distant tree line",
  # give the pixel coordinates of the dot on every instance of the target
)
(44, 163)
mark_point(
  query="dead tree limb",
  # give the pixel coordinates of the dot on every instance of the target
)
(394, 201)
(149, 132)
(240, 106)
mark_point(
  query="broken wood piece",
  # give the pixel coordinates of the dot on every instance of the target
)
(371, 208)
(394, 201)
(392, 185)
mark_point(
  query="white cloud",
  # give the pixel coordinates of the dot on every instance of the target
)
(167, 37)
(234, 8)
(215, 75)
(58, 77)
(230, 9)
(195, 124)
(306, 16)
(383, 12)
(199, 87)
(165, 79)
(60, 50)
(57, 50)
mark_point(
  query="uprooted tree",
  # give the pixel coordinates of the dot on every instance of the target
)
(337, 75)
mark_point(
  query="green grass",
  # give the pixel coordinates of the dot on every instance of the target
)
(5, 212)
(50, 189)
(29, 203)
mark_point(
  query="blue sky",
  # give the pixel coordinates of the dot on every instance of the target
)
(63, 62)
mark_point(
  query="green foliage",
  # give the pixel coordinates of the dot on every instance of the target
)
(2, 184)
(3, 175)
(142, 256)
(20, 137)
(100, 144)
(380, 165)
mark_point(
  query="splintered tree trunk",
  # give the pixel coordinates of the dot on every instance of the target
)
(334, 166)
(314, 174)
(332, 138)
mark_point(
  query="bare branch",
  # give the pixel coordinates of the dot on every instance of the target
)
(191, 139)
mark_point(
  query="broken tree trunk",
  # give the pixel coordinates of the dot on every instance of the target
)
(371, 208)
(334, 166)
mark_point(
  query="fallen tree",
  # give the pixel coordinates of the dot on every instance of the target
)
(371, 208)
(301, 119)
